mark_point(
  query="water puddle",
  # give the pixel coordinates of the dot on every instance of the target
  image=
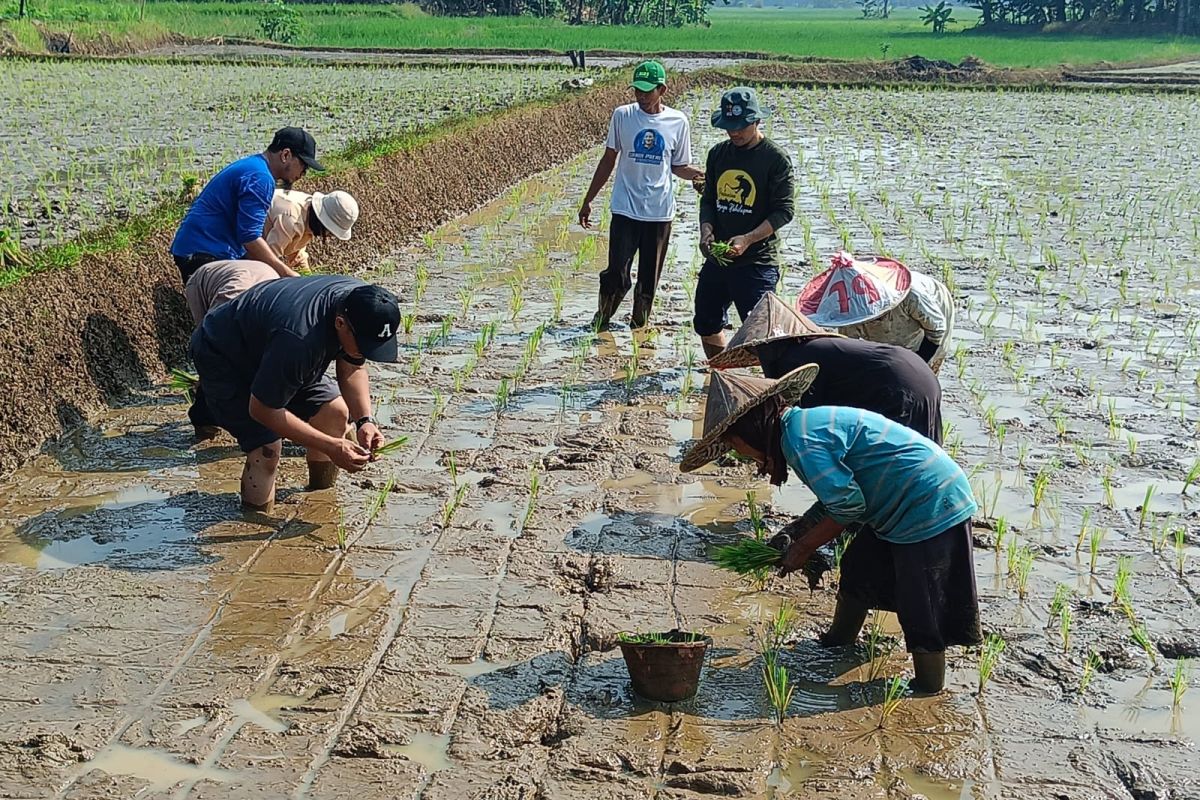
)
(1143, 707)
(426, 749)
(798, 766)
(260, 709)
(158, 768)
(476, 668)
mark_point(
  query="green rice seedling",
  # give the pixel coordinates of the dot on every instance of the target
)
(341, 531)
(1193, 474)
(1092, 663)
(535, 485)
(452, 504)
(779, 688)
(1011, 555)
(11, 254)
(1024, 567)
(516, 299)
(380, 500)
(1142, 639)
(659, 638)
(878, 646)
(1107, 486)
(1146, 506)
(1094, 540)
(1083, 529)
(421, 281)
(1040, 482)
(466, 296)
(1065, 615)
(502, 395)
(721, 253)
(1120, 595)
(1132, 443)
(452, 468)
(839, 550)
(414, 366)
(1062, 598)
(989, 657)
(390, 448)
(746, 556)
(1179, 680)
(183, 382)
(1001, 531)
(1180, 549)
(406, 322)
(558, 288)
(893, 694)
(775, 634)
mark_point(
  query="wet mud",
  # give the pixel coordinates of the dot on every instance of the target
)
(463, 643)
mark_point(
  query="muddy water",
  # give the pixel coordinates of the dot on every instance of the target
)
(461, 645)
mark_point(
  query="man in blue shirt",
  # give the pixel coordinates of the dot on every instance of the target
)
(262, 360)
(226, 221)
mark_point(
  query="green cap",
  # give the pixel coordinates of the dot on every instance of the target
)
(648, 76)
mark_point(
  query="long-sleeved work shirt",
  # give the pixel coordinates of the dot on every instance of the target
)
(865, 468)
(287, 230)
(927, 312)
(743, 186)
(229, 212)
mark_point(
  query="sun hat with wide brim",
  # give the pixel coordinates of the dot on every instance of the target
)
(769, 321)
(854, 290)
(730, 396)
(338, 211)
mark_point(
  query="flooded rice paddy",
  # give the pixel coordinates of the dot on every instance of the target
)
(157, 644)
(87, 143)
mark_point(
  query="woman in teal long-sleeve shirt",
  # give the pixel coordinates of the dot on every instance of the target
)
(904, 491)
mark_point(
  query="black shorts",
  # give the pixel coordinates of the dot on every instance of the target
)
(718, 287)
(228, 400)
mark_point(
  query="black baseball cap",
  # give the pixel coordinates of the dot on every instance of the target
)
(374, 314)
(300, 142)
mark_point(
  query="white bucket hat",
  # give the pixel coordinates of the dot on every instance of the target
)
(338, 212)
(854, 290)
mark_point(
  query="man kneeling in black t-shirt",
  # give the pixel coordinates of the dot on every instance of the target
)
(262, 360)
(747, 198)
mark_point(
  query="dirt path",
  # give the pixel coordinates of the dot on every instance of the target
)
(157, 645)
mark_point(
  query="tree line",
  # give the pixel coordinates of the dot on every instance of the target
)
(1181, 15)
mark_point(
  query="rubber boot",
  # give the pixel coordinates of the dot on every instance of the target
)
(848, 619)
(930, 669)
(321, 475)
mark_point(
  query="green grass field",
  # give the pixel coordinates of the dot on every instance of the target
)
(795, 32)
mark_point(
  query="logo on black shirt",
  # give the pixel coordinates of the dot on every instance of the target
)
(736, 192)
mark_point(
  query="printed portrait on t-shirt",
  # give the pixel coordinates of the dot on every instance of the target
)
(648, 147)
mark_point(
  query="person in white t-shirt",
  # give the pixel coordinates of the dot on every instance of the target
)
(647, 143)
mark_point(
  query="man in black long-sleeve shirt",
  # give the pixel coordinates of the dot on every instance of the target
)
(748, 189)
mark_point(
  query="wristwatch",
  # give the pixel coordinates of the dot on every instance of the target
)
(358, 423)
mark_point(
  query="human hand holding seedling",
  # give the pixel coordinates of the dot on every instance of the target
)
(348, 455)
(370, 438)
(738, 245)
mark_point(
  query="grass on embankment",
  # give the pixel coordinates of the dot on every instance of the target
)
(793, 32)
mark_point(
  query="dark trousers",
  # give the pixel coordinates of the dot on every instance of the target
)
(628, 238)
(189, 264)
(719, 287)
(198, 413)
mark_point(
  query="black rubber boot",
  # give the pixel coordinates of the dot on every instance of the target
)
(930, 669)
(848, 619)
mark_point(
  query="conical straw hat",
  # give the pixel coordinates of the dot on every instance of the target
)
(771, 320)
(854, 290)
(732, 394)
